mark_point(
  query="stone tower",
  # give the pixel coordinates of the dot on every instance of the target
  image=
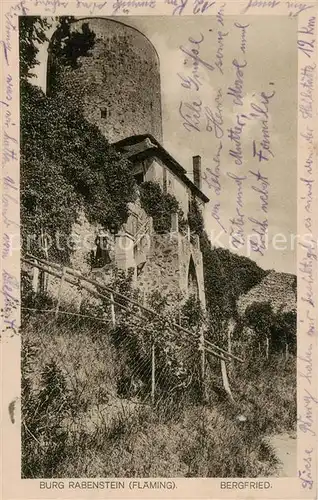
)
(118, 82)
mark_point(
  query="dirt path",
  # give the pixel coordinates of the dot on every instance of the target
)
(285, 446)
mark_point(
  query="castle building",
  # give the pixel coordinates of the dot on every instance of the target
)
(118, 89)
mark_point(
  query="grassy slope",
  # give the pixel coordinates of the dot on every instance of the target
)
(91, 432)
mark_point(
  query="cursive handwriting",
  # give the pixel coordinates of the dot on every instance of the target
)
(191, 114)
(212, 174)
(220, 50)
(261, 189)
(178, 6)
(129, 4)
(309, 194)
(193, 82)
(308, 135)
(234, 134)
(237, 236)
(11, 26)
(10, 290)
(243, 28)
(215, 119)
(307, 360)
(201, 6)
(194, 54)
(298, 7)
(220, 14)
(258, 240)
(306, 474)
(260, 4)
(306, 422)
(216, 215)
(306, 95)
(306, 44)
(51, 5)
(260, 110)
(237, 89)
(306, 268)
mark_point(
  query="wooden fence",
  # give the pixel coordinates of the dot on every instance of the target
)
(114, 298)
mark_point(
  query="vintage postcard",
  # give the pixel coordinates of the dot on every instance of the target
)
(159, 249)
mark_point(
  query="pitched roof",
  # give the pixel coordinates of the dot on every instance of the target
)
(139, 147)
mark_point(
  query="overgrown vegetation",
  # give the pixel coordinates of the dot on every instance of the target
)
(66, 47)
(278, 329)
(195, 218)
(160, 206)
(129, 399)
(67, 165)
(226, 277)
(96, 419)
(31, 36)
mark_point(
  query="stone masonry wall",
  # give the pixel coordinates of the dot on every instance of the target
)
(84, 234)
(161, 271)
(121, 75)
(167, 266)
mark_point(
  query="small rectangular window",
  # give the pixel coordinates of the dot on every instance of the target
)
(103, 112)
(164, 180)
(139, 178)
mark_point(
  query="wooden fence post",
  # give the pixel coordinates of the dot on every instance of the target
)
(153, 373)
(230, 329)
(35, 278)
(112, 310)
(229, 340)
(46, 253)
(202, 348)
(267, 347)
(225, 379)
(60, 292)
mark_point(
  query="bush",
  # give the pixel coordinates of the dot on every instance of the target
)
(86, 415)
(280, 327)
(67, 166)
(195, 218)
(43, 410)
(160, 206)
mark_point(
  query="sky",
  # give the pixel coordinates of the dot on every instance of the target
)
(215, 56)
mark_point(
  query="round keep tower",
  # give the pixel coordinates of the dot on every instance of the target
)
(117, 83)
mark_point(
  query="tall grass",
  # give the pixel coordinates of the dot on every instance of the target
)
(76, 425)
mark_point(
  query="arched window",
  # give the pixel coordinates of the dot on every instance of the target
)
(193, 288)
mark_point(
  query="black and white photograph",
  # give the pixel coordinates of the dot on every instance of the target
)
(158, 183)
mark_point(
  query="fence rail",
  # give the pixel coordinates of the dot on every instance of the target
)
(142, 312)
(46, 267)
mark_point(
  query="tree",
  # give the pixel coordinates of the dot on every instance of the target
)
(31, 35)
(284, 331)
(195, 218)
(226, 277)
(65, 49)
(160, 206)
(68, 165)
(261, 318)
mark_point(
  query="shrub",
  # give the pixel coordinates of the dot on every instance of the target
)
(195, 218)
(43, 410)
(67, 166)
(160, 206)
